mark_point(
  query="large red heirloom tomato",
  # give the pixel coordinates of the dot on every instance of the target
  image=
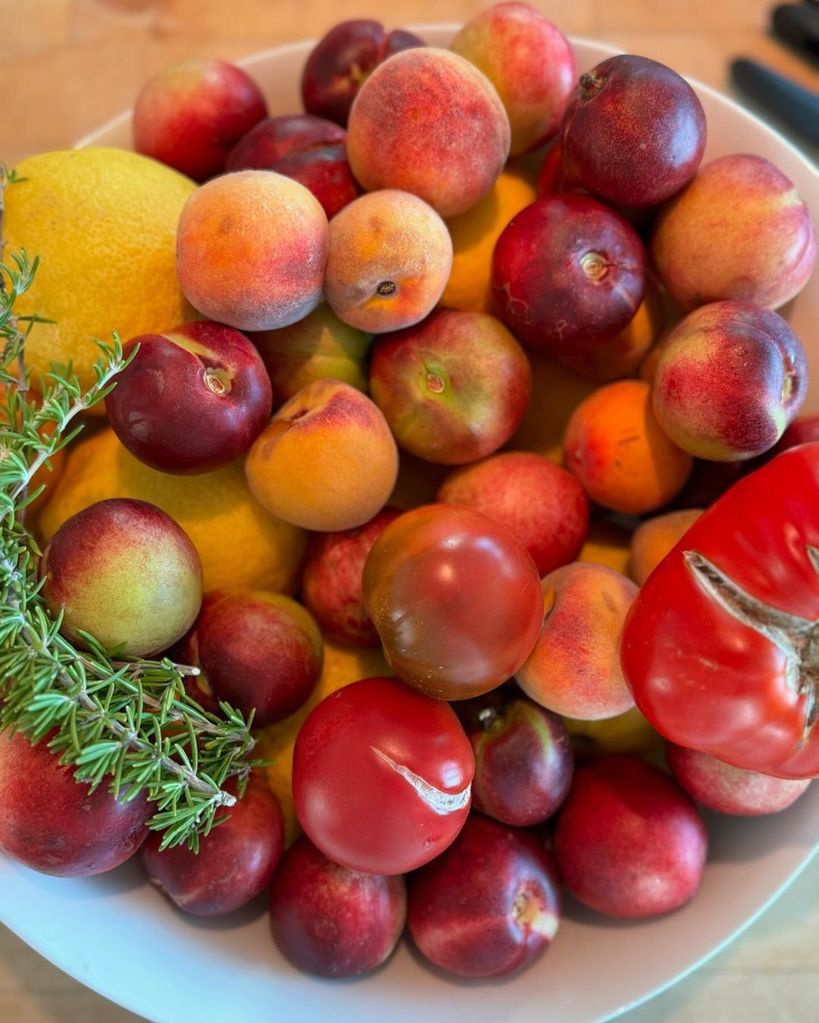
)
(721, 645)
(455, 598)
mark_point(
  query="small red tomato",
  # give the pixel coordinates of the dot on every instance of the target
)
(382, 776)
(456, 600)
(721, 645)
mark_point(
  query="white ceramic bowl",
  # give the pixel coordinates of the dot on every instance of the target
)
(120, 937)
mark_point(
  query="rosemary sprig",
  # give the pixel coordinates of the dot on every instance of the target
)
(130, 723)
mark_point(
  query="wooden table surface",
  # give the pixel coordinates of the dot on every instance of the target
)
(68, 65)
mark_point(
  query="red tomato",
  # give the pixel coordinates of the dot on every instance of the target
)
(721, 645)
(382, 776)
(456, 600)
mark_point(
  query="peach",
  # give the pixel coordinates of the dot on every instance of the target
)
(260, 652)
(654, 538)
(251, 248)
(607, 543)
(191, 114)
(574, 668)
(616, 448)
(738, 231)
(453, 388)
(389, 260)
(125, 572)
(319, 347)
(429, 122)
(543, 504)
(326, 461)
(730, 378)
(529, 61)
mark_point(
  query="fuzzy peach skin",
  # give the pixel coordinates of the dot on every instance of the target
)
(125, 572)
(654, 538)
(429, 122)
(251, 248)
(730, 378)
(326, 461)
(739, 230)
(389, 260)
(574, 668)
(319, 347)
(616, 448)
(529, 61)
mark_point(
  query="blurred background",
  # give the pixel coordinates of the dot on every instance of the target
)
(69, 65)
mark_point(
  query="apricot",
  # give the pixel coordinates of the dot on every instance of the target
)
(655, 537)
(125, 572)
(389, 260)
(529, 61)
(326, 461)
(319, 347)
(574, 668)
(616, 448)
(251, 250)
(429, 122)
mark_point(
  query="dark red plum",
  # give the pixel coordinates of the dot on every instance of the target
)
(523, 762)
(489, 905)
(568, 274)
(341, 61)
(235, 861)
(53, 824)
(634, 131)
(332, 921)
(192, 399)
(309, 149)
(629, 842)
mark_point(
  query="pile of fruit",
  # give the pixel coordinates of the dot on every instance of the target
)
(433, 454)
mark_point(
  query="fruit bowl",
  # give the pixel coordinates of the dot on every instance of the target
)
(117, 935)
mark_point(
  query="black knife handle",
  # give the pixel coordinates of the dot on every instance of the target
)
(795, 105)
(798, 26)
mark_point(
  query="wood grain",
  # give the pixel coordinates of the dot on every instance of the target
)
(69, 65)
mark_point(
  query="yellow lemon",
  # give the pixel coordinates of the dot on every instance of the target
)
(474, 234)
(103, 224)
(628, 732)
(342, 665)
(240, 543)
